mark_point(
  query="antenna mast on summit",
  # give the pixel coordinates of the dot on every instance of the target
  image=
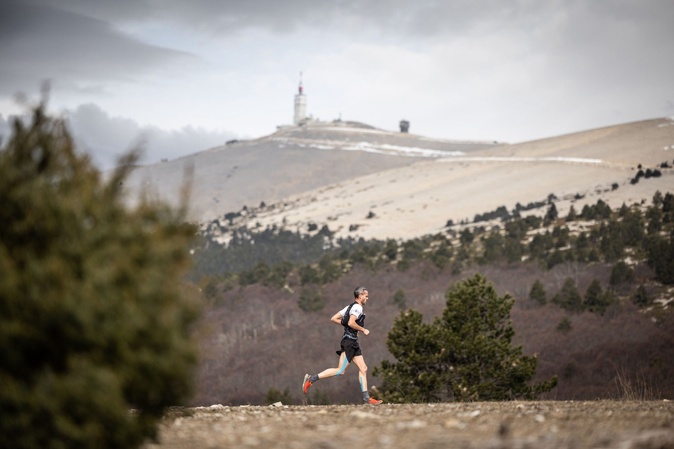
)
(300, 105)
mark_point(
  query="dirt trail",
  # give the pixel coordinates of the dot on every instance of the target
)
(541, 424)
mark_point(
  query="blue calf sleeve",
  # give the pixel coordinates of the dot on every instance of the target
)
(342, 368)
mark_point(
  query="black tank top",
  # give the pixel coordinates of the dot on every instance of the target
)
(350, 332)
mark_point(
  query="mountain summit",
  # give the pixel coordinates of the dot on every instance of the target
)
(293, 160)
(366, 182)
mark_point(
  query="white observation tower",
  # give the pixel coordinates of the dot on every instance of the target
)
(300, 105)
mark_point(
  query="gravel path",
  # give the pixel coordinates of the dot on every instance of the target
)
(542, 424)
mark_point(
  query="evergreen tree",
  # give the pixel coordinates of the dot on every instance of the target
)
(660, 256)
(568, 297)
(93, 319)
(399, 299)
(537, 293)
(540, 243)
(552, 214)
(641, 298)
(442, 255)
(464, 355)
(311, 299)
(514, 250)
(466, 237)
(654, 217)
(612, 241)
(391, 249)
(493, 248)
(564, 326)
(572, 215)
(596, 299)
(621, 273)
(633, 227)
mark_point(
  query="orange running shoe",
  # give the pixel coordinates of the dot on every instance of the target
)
(306, 384)
(373, 401)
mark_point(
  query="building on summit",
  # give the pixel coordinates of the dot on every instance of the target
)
(302, 119)
(300, 105)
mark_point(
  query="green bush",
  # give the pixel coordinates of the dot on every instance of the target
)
(273, 395)
(564, 326)
(311, 300)
(399, 299)
(641, 297)
(537, 293)
(94, 323)
(463, 355)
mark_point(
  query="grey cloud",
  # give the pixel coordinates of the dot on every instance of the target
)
(106, 138)
(397, 18)
(73, 50)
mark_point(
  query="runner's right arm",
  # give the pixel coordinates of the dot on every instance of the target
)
(354, 325)
(337, 318)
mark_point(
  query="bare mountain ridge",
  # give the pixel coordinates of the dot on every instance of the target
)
(365, 182)
(290, 161)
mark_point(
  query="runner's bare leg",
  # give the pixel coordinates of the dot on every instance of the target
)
(362, 370)
(339, 370)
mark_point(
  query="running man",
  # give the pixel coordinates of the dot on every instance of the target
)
(352, 318)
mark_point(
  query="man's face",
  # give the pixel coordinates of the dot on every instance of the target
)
(363, 297)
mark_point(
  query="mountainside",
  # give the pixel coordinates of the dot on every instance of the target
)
(291, 161)
(365, 182)
(255, 321)
(419, 199)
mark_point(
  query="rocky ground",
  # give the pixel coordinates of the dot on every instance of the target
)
(541, 424)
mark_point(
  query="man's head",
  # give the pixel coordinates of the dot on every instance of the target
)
(360, 293)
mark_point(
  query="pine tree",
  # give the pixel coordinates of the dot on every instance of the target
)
(94, 320)
(596, 300)
(551, 214)
(572, 215)
(641, 297)
(621, 273)
(399, 299)
(660, 253)
(464, 355)
(568, 297)
(537, 293)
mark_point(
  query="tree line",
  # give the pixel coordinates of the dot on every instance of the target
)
(279, 257)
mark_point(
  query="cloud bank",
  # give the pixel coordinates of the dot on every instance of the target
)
(506, 70)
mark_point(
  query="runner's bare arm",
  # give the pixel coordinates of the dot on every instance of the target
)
(337, 318)
(354, 325)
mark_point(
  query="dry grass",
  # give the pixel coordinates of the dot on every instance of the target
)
(634, 388)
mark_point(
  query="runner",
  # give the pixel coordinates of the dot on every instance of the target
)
(352, 318)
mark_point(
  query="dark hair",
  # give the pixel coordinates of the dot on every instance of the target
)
(358, 291)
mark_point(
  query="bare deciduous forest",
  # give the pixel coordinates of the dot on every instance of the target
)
(256, 338)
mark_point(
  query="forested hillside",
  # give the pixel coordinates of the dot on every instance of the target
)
(592, 296)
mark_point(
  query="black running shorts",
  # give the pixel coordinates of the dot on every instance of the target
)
(351, 348)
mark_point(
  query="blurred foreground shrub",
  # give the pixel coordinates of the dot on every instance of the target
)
(94, 322)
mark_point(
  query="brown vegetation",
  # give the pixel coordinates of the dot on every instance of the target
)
(255, 338)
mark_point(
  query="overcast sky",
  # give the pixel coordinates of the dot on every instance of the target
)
(187, 75)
